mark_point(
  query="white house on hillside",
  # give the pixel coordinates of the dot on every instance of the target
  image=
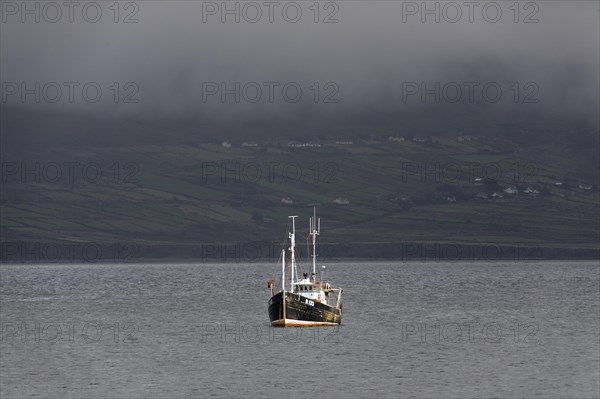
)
(341, 201)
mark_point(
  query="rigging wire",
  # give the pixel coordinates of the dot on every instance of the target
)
(298, 257)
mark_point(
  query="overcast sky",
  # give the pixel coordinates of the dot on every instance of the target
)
(370, 55)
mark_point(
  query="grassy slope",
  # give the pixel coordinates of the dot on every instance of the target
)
(171, 203)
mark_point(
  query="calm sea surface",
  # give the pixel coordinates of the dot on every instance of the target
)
(427, 330)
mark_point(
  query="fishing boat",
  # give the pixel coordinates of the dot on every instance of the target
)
(305, 302)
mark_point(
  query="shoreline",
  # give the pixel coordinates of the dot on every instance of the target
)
(175, 261)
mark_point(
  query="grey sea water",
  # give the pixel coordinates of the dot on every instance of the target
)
(426, 330)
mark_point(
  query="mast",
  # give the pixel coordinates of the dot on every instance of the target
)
(283, 270)
(315, 230)
(293, 250)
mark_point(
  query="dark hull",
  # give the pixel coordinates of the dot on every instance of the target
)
(298, 313)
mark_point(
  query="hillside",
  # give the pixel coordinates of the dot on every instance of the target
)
(380, 194)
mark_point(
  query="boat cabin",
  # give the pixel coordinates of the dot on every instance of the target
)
(310, 290)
